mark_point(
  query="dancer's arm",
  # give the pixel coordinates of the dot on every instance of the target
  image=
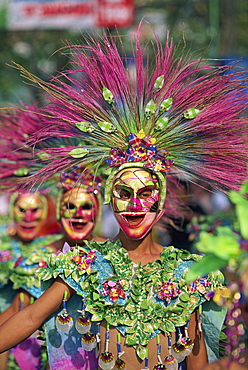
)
(198, 357)
(24, 323)
(15, 305)
(5, 315)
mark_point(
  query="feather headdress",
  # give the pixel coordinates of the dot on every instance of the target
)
(19, 160)
(169, 112)
(16, 157)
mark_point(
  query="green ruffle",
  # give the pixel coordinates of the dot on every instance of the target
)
(32, 254)
(142, 313)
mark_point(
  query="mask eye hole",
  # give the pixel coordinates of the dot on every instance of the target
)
(86, 206)
(21, 209)
(70, 206)
(123, 194)
(145, 193)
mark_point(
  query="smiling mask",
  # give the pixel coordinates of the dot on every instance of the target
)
(29, 215)
(78, 212)
(135, 201)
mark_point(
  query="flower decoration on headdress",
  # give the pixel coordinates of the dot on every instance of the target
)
(141, 150)
(80, 176)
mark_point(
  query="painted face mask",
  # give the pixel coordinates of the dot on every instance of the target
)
(29, 215)
(135, 199)
(78, 211)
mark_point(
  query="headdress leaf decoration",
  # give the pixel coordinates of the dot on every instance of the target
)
(176, 114)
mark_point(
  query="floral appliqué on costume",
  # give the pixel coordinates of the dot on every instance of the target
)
(114, 289)
(141, 301)
(167, 290)
(85, 260)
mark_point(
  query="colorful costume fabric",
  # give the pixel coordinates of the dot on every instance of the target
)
(147, 299)
(18, 264)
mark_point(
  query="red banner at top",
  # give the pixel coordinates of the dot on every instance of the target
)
(67, 14)
(114, 13)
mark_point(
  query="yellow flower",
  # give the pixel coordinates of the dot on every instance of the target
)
(141, 151)
(141, 134)
(157, 166)
(223, 295)
(153, 140)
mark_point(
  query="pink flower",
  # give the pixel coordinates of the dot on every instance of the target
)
(85, 261)
(18, 262)
(168, 290)
(114, 289)
(5, 255)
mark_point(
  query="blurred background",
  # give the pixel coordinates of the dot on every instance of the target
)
(31, 32)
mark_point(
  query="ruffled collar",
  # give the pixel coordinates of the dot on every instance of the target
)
(140, 301)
